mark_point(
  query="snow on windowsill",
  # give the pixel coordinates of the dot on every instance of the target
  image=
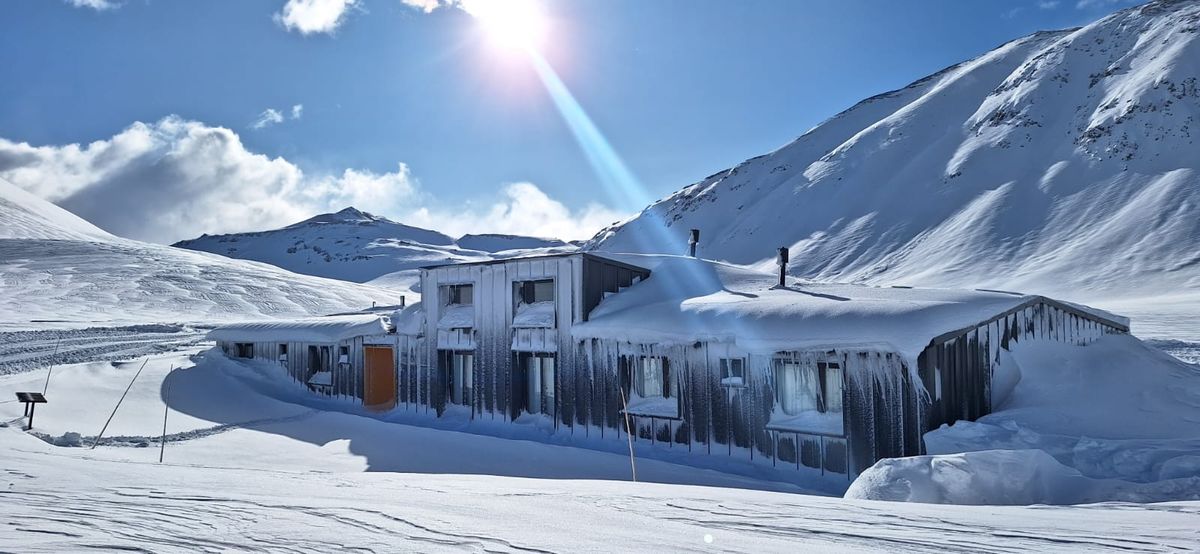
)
(539, 315)
(655, 406)
(457, 317)
(808, 421)
(321, 378)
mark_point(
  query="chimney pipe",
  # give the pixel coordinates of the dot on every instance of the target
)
(401, 300)
(783, 261)
(693, 241)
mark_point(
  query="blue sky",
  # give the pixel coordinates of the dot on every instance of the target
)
(680, 89)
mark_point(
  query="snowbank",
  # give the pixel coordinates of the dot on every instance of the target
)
(319, 329)
(688, 299)
(1114, 420)
(1005, 477)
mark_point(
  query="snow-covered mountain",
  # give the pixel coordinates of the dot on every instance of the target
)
(353, 245)
(1064, 162)
(56, 268)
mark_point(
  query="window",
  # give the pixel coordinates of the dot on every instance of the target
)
(244, 349)
(733, 372)
(283, 349)
(540, 383)
(534, 304)
(529, 292)
(653, 378)
(460, 295)
(462, 377)
(343, 354)
(802, 387)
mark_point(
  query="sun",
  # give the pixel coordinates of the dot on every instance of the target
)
(510, 24)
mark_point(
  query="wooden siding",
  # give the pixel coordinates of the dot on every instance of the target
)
(963, 361)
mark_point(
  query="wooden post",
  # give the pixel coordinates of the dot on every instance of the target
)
(122, 399)
(162, 447)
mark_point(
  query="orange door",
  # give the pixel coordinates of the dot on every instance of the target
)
(380, 370)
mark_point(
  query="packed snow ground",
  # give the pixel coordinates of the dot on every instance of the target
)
(248, 470)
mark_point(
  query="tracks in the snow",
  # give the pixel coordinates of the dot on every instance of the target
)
(22, 351)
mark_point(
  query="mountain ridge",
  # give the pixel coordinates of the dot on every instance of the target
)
(1057, 162)
(357, 246)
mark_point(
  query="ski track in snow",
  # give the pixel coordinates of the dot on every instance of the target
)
(439, 514)
(27, 350)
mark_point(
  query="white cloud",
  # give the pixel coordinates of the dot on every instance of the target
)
(524, 209)
(270, 116)
(98, 5)
(313, 16)
(425, 5)
(1047, 4)
(175, 179)
(297, 111)
(1090, 4)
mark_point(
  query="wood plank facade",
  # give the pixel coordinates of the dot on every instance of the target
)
(474, 356)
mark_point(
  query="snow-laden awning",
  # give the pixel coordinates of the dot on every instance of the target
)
(319, 329)
(457, 317)
(534, 316)
(688, 299)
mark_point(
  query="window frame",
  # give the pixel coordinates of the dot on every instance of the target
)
(727, 366)
(822, 387)
(454, 296)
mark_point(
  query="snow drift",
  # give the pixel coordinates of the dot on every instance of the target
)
(1062, 163)
(1114, 420)
(60, 269)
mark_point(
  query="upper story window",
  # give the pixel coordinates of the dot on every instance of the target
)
(460, 295)
(530, 292)
(535, 307)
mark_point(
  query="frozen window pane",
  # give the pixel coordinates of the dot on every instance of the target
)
(833, 388)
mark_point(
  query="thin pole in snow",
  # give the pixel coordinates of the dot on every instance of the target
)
(51, 369)
(122, 399)
(628, 434)
(162, 449)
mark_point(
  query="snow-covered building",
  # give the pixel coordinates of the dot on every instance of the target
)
(713, 358)
(346, 356)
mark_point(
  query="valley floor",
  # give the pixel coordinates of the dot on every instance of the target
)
(248, 468)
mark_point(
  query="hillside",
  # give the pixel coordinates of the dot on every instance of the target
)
(1060, 163)
(58, 269)
(353, 245)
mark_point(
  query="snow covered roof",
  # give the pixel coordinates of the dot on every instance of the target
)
(409, 320)
(687, 300)
(317, 329)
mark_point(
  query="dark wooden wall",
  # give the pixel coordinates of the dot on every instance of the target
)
(966, 359)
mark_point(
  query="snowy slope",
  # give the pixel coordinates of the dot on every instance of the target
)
(1062, 163)
(57, 269)
(353, 245)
